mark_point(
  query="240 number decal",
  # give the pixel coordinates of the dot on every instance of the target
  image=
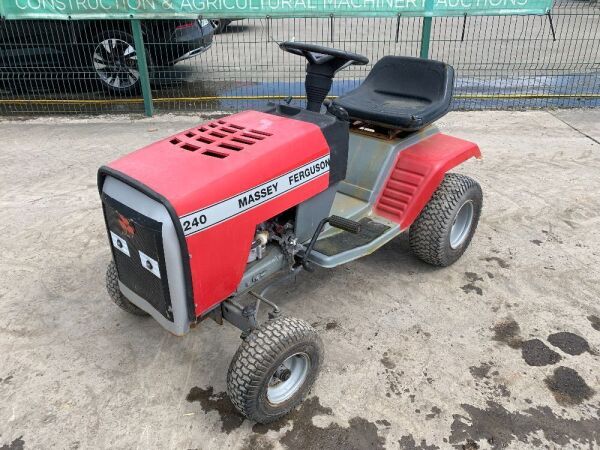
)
(197, 221)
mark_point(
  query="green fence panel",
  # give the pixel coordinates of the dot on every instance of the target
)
(154, 9)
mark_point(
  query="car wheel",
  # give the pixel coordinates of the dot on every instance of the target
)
(220, 25)
(115, 63)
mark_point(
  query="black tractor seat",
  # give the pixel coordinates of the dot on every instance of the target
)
(401, 93)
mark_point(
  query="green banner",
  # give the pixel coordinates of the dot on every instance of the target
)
(161, 9)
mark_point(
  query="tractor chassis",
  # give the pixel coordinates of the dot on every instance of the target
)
(245, 316)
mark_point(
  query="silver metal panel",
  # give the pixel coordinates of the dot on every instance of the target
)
(310, 212)
(257, 271)
(348, 207)
(148, 207)
(370, 161)
(366, 157)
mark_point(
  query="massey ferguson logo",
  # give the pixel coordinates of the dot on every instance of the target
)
(219, 212)
(257, 196)
(126, 225)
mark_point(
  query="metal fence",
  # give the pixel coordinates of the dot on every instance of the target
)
(501, 62)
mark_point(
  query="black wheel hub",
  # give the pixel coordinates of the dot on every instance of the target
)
(283, 373)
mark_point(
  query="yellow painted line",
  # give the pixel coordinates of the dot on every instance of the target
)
(69, 102)
(262, 97)
(515, 96)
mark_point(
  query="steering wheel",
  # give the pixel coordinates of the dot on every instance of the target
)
(318, 55)
(323, 64)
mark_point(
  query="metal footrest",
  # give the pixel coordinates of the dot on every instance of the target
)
(345, 241)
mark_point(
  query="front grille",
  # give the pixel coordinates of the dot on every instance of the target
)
(136, 243)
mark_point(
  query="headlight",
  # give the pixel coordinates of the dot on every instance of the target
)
(204, 22)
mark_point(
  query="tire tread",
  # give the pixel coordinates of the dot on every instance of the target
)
(428, 234)
(112, 286)
(256, 355)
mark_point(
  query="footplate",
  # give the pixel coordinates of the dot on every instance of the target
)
(340, 248)
(344, 241)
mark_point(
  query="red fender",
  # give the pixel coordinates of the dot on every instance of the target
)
(417, 173)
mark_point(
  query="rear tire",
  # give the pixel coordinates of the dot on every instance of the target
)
(274, 369)
(112, 286)
(445, 227)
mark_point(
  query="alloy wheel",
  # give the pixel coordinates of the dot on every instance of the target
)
(115, 62)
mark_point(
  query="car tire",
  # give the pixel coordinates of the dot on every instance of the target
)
(445, 227)
(280, 348)
(114, 62)
(112, 286)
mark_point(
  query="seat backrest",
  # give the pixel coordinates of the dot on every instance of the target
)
(412, 77)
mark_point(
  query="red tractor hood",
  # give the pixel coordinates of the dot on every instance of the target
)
(220, 159)
(222, 179)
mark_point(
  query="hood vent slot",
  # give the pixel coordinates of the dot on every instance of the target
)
(189, 147)
(243, 141)
(214, 154)
(262, 133)
(235, 148)
(205, 140)
(253, 136)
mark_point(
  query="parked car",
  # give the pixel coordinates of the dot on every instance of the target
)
(105, 49)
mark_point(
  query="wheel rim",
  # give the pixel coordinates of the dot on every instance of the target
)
(461, 225)
(279, 390)
(115, 62)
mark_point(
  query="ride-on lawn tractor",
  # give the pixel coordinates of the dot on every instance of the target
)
(203, 222)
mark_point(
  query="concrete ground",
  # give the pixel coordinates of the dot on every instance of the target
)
(498, 351)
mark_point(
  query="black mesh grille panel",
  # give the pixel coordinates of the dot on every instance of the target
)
(136, 243)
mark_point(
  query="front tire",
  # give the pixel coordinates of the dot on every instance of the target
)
(274, 368)
(112, 286)
(445, 227)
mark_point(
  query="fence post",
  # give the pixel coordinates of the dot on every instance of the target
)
(140, 51)
(426, 30)
(425, 37)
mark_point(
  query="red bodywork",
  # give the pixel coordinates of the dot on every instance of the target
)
(203, 166)
(211, 166)
(417, 173)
